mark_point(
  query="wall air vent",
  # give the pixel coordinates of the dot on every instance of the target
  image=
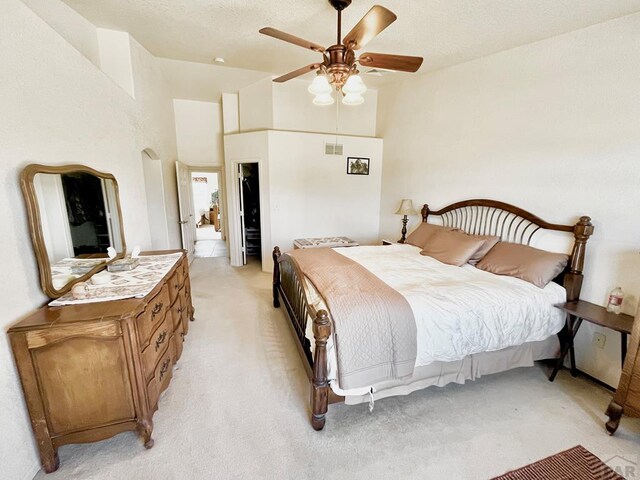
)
(333, 149)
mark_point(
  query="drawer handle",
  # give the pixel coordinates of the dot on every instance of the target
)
(157, 309)
(160, 340)
(164, 368)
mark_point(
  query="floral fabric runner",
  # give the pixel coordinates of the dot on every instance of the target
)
(136, 283)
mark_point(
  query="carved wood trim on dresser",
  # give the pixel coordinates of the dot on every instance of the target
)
(91, 371)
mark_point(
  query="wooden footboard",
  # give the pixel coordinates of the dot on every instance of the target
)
(289, 285)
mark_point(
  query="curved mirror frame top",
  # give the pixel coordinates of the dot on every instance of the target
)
(74, 216)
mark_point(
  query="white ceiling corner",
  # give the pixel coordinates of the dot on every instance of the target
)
(444, 32)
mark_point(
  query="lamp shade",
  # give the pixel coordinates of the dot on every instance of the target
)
(323, 100)
(406, 208)
(354, 84)
(353, 99)
(320, 86)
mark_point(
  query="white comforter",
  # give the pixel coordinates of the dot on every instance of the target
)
(460, 311)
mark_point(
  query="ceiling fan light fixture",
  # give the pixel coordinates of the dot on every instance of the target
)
(354, 85)
(353, 99)
(320, 86)
(323, 100)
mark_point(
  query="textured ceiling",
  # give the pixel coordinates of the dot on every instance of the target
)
(445, 32)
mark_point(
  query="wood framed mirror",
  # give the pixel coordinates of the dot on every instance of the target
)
(74, 216)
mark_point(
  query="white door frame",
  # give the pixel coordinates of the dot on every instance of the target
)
(188, 223)
(222, 195)
(233, 207)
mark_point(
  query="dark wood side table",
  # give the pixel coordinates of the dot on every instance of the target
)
(580, 311)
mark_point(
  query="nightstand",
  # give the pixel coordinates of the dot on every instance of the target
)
(580, 311)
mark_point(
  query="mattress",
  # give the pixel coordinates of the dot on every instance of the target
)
(461, 313)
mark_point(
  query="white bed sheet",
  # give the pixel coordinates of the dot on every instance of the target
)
(459, 311)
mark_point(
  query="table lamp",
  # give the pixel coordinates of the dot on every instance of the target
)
(406, 208)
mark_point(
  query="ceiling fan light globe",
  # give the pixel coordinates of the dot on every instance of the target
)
(323, 100)
(320, 86)
(354, 85)
(353, 99)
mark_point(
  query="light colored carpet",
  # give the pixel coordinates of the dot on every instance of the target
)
(237, 409)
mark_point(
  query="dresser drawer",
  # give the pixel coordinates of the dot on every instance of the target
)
(178, 342)
(174, 286)
(176, 311)
(153, 315)
(160, 340)
(177, 281)
(161, 376)
(185, 317)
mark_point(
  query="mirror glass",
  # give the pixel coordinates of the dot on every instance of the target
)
(79, 220)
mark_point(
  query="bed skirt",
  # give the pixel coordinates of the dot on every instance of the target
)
(469, 368)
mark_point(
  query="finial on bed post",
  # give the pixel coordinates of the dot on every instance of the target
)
(320, 382)
(276, 275)
(425, 212)
(573, 279)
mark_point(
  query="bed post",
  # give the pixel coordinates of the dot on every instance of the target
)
(425, 212)
(319, 382)
(276, 275)
(573, 279)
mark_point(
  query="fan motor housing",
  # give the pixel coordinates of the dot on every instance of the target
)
(340, 4)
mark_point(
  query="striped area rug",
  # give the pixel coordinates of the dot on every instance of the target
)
(577, 463)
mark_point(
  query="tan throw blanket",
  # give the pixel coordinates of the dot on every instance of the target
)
(374, 327)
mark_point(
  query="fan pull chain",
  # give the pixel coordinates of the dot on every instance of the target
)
(337, 115)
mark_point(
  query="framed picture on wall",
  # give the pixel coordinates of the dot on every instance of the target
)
(357, 166)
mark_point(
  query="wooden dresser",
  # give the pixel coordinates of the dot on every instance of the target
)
(627, 397)
(91, 371)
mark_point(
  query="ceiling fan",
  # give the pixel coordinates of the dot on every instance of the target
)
(338, 68)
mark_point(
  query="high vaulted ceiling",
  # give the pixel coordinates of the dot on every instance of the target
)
(444, 32)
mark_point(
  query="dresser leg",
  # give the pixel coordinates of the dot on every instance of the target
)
(614, 412)
(145, 429)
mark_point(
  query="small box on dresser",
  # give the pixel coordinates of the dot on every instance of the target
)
(91, 371)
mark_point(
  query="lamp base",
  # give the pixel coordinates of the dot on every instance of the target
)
(404, 230)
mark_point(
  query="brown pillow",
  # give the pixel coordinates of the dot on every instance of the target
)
(451, 247)
(421, 235)
(490, 242)
(526, 263)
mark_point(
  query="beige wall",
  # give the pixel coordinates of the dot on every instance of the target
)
(59, 108)
(199, 132)
(551, 127)
(305, 193)
(266, 105)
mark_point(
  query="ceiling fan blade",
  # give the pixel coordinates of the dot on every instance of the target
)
(297, 73)
(287, 37)
(385, 61)
(375, 21)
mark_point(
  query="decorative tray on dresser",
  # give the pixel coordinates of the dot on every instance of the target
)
(90, 371)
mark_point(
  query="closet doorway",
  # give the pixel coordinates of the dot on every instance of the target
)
(206, 192)
(249, 201)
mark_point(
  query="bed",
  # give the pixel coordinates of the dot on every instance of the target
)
(468, 322)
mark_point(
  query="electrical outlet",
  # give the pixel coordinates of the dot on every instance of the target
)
(599, 340)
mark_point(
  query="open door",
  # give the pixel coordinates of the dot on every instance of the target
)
(249, 201)
(243, 245)
(187, 222)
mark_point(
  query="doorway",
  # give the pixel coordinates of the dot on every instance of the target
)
(249, 198)
(206, 194)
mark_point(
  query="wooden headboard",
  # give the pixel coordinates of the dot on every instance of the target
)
(513, 224)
